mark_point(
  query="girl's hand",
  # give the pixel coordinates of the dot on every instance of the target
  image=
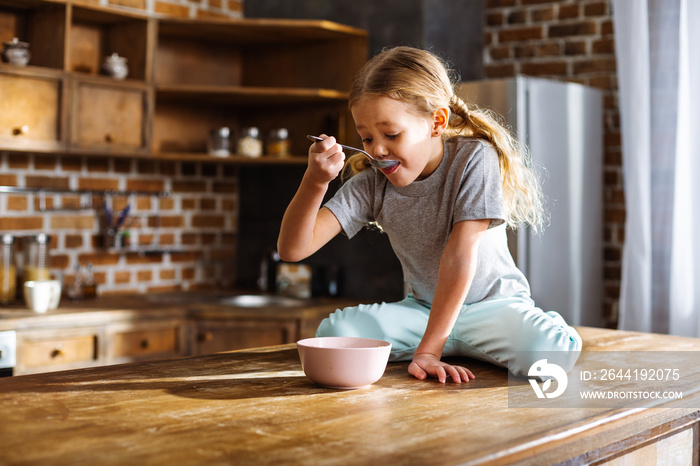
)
(326, 159)
(425, 364)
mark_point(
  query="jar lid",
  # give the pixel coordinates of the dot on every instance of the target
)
(41, 238)
(16, 43)
(252, 132)
(7, 238)
(115, 58)
(223, 131)
(280, 133)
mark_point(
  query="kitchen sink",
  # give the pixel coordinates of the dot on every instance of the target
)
(254, 300)
(187, 297)
(227, 299)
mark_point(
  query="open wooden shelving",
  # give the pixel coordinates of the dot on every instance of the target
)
(186, 77)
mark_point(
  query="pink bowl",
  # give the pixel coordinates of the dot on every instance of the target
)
(343, 362)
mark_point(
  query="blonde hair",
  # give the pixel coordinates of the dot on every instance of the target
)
(421, 80)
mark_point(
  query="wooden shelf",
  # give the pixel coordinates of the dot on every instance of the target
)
(186, 77)
(168, 156)
(248, 95)
(95, 33)
(256, 32)
(31, 70)
(40, 23)
(234, 159)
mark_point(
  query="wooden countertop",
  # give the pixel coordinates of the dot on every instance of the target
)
(257, 407)
(203, 304)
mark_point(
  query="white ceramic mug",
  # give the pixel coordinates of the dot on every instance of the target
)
(42, 295)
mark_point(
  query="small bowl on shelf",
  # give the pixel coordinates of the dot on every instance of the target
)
(16, 52)
(343, 362)
(115, 66)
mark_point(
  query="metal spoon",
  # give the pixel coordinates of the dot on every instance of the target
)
(381, 164)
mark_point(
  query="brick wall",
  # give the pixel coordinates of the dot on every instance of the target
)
(196, 224)
(183, 241)
(568, 40)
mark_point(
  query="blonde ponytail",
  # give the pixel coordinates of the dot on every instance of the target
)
(420, 79)
(522, 193)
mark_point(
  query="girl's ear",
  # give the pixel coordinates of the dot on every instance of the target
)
(440, 119)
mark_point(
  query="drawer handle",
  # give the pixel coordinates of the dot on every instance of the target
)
(57, 351)
(109, 138)
(205, 336)
(20, 130)
(144, 344)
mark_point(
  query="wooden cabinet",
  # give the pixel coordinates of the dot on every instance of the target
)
(678, 447)
(214, 336)
(122, 331)
(109, 117)
(53, 349)
(186, 77)
(31, 109)
(216, 328)
(62, 102)
(61, 342)
(163, 339)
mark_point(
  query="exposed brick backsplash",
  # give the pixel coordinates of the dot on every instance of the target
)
(568, 40)
(197, 223)
(184, 241)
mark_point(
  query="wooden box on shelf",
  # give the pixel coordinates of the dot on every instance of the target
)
(32, 116)
(110, 116)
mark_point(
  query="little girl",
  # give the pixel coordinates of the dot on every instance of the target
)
(461, 179)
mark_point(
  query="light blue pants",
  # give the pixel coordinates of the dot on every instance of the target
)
(509, 332)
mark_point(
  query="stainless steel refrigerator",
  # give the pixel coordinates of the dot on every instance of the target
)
(562, 125)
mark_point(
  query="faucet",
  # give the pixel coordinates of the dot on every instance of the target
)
(267, 281)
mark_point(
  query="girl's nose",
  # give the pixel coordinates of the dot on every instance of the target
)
(379, 151)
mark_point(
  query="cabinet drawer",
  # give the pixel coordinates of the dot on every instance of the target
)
(218, 336)
(145, 342)
(51, 353)
(109, 117)
(30, 111)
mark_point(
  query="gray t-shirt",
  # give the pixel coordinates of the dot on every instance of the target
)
(418, 218)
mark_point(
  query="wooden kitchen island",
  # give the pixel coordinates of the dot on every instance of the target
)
(257, 407)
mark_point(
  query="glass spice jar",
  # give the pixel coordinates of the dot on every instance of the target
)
(219, 142)
(8, 272)
(278, 143)
(37, 258)
(249, 144)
